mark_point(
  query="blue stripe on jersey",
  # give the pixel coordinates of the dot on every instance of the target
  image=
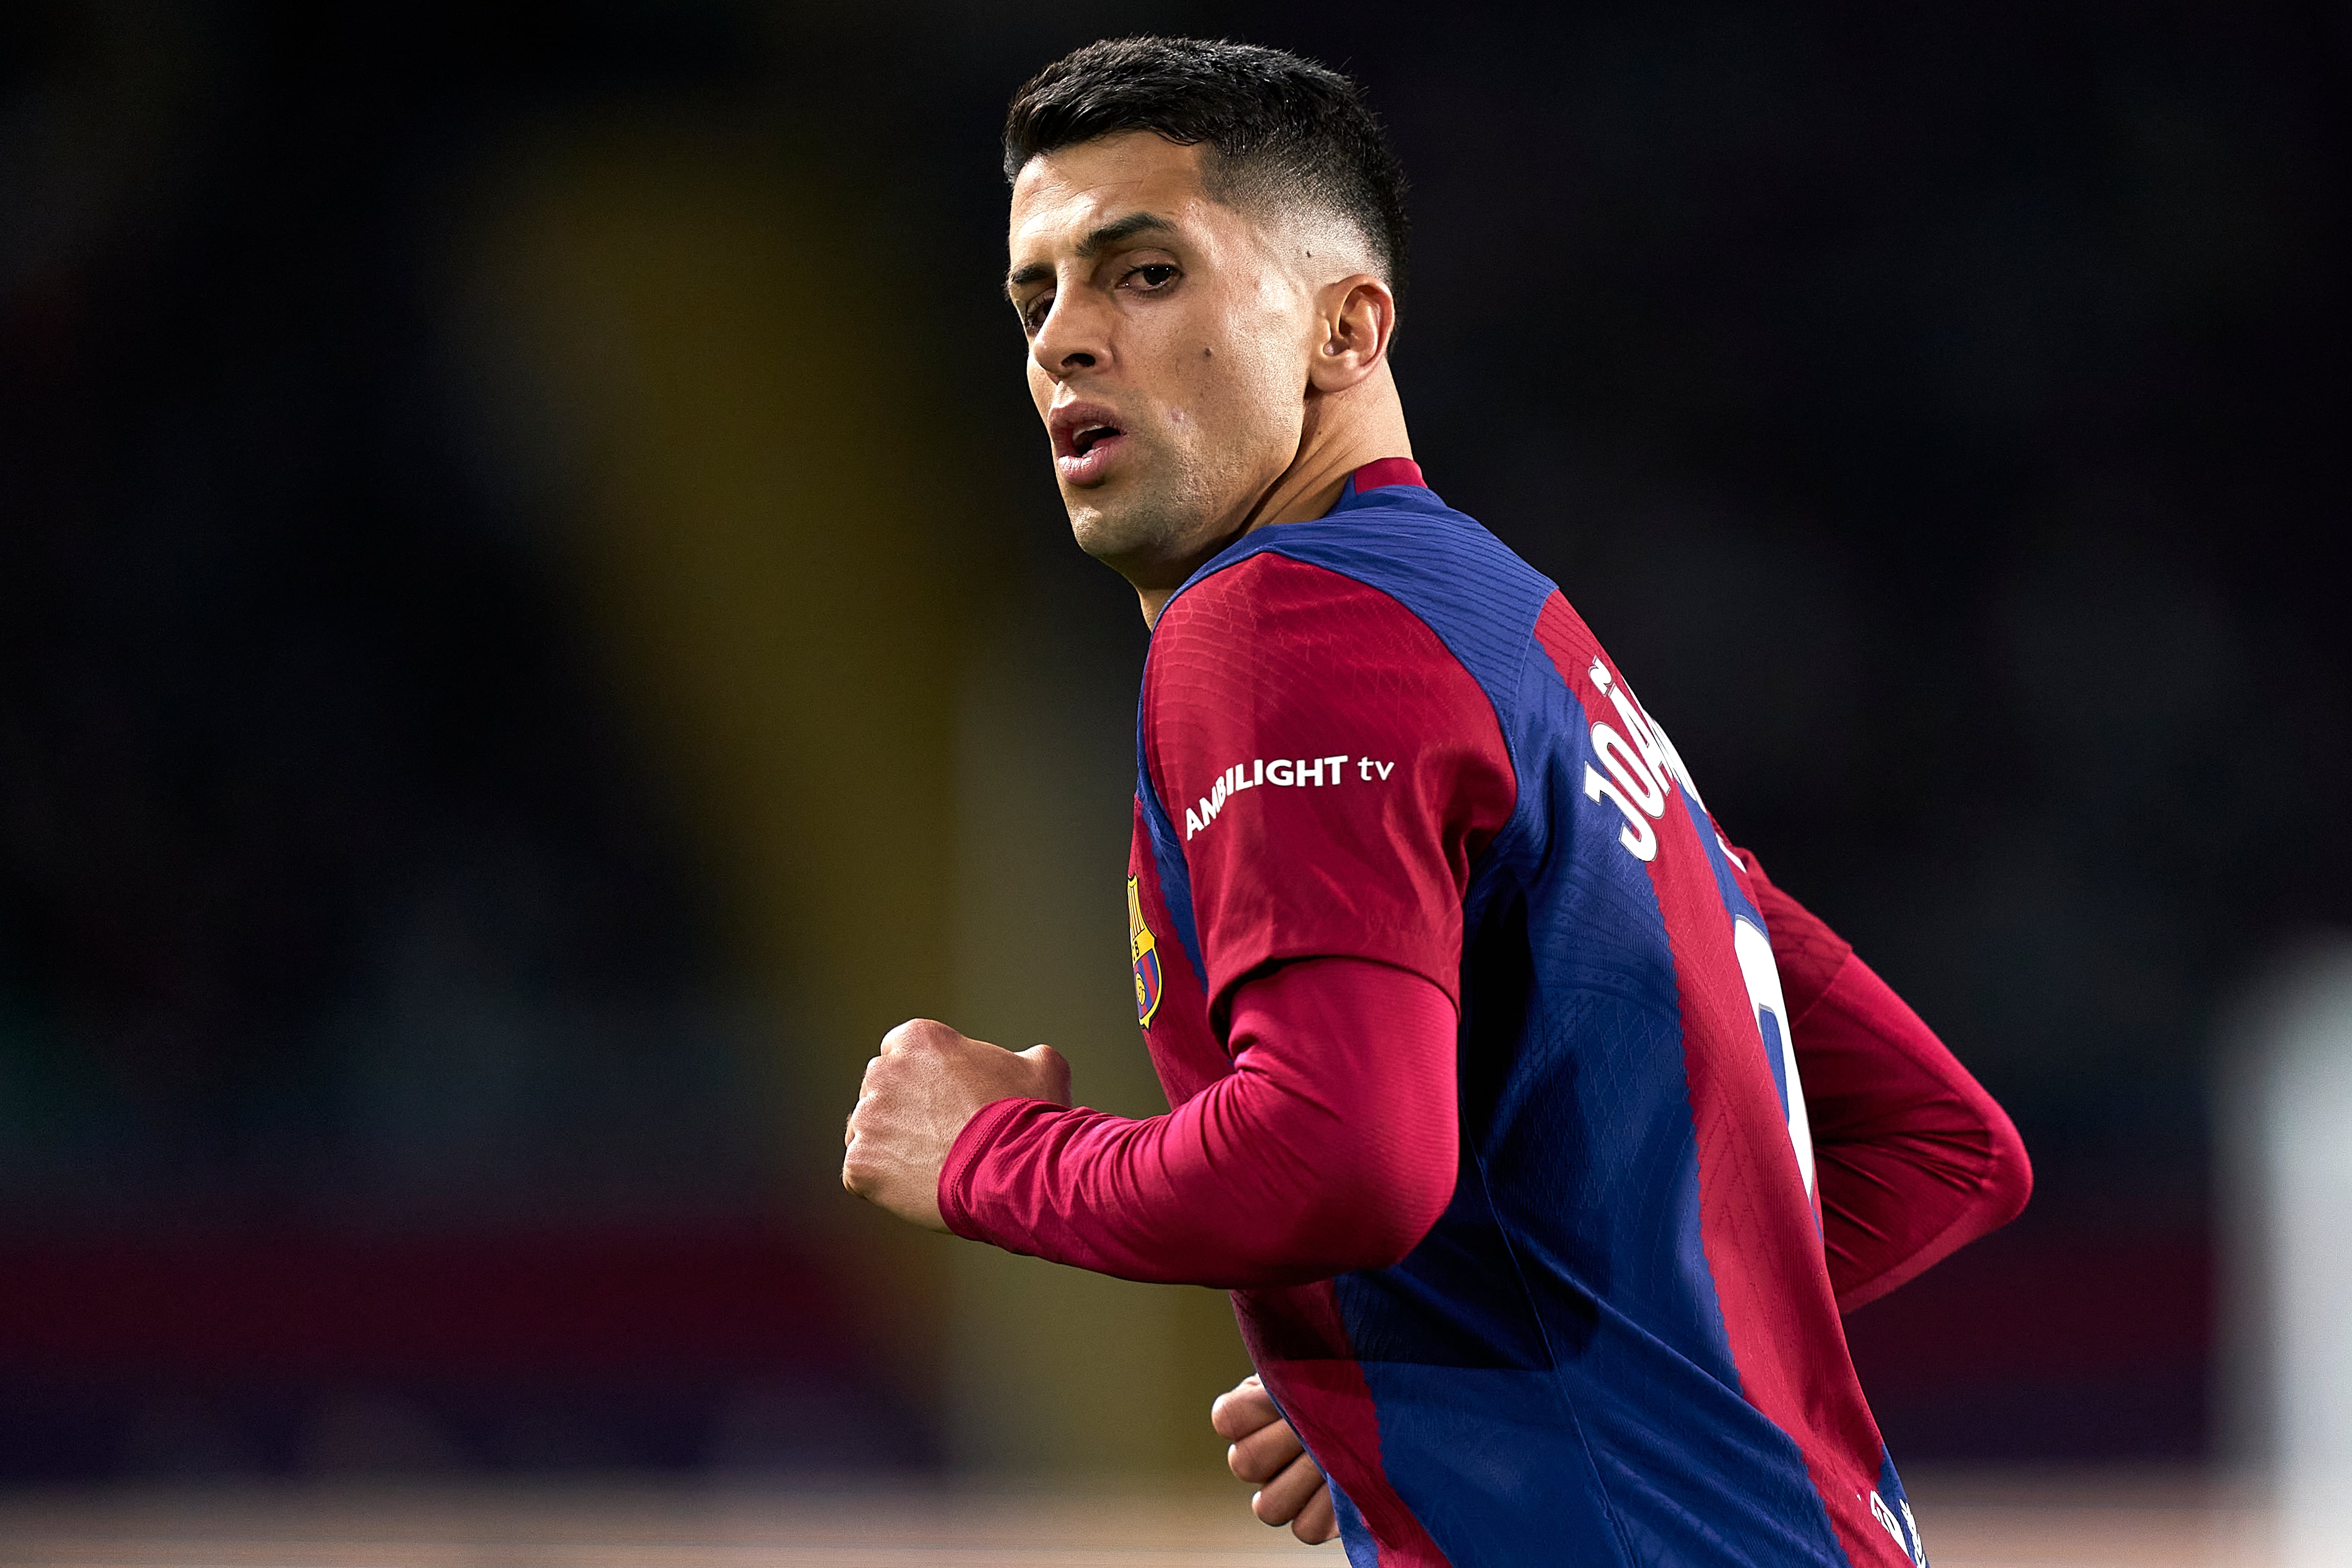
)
(1167, 858)
(1354, 1538)
(1725, 883)
(1491, 1471)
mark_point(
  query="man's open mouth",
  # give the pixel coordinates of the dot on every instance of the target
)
(1087, 440)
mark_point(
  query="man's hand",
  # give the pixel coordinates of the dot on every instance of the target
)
(1268, 1454)
(928, 1082)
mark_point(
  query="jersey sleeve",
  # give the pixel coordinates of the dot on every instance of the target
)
(1331, 769)
(1330, 1147)
(1913, 1159)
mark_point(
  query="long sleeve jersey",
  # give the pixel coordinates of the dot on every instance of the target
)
(1541, 1137)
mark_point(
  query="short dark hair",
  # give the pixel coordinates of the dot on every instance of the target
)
(1285, 130)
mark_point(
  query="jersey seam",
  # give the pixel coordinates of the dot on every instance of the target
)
(1823, 994)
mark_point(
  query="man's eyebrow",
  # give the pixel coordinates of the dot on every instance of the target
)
(1094, 244)
(1125, 227)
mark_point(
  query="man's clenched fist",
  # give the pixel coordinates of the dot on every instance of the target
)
(928, 1082)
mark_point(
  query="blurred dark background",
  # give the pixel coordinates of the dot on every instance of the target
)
(534, 623)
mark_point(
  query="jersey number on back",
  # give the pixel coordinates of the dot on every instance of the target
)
(1763, 978)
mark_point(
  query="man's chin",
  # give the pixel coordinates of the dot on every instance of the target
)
(1113, 535)
(1147, 533)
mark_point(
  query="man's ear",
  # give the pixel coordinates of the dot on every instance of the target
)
(1358, 316)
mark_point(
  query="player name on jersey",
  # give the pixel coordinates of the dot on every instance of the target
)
(1282, 773)
(1639, 774)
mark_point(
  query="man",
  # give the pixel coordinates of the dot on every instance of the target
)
(1539, 1137)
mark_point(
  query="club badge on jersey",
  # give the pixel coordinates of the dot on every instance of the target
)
(1144, 955)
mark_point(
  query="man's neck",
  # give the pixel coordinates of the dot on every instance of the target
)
(1342, 433)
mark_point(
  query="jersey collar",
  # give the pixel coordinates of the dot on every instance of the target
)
(1379, 475)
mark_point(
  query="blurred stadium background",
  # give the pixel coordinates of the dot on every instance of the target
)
(535, 625)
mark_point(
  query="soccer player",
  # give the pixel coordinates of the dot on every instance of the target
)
(1539, 1137)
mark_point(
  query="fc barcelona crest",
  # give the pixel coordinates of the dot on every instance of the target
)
(1144, 955)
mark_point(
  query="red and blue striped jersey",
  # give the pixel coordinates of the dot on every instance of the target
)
(1381, 735)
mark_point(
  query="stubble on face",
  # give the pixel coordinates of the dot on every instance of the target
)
(1187, 334)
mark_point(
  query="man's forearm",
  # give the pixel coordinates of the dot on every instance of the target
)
(1913, 1159)
(1331, 1148)
(1916, 1160)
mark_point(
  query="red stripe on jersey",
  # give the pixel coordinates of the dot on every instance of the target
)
(1757, 1225)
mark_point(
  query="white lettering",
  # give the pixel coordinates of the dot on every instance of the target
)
(1289, 773)
(1637, 834)
(1910, 1542)
(1762, 978)
(1626, 767)
(1642, 761)
(1657, 747)
(1639, 729)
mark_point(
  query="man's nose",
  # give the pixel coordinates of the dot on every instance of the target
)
(1071, 340)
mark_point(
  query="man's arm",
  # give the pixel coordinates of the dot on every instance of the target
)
(1913, 1159)
(1328, 908)
(1329, 940)
(1330, 1148)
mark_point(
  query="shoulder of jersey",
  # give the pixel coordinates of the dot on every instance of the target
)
(1262, 588)
(1365, 534)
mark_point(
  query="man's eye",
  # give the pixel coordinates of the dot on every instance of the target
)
(1154, 275)
(1034, 313)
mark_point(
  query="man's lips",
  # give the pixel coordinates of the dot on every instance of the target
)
(1087, 436)
(1088, 467)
